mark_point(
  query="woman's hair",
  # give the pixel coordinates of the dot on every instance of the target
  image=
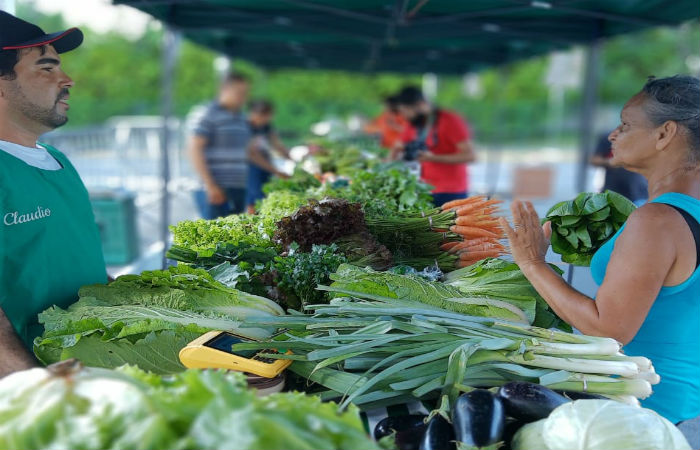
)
(261, 106)
(676, 98)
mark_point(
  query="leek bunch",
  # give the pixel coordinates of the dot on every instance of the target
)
(375, 354)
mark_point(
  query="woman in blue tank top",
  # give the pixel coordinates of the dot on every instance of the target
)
(649, 295)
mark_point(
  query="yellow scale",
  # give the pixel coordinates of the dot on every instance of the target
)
(213, 350)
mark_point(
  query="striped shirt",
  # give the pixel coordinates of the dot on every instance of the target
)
(227, 134)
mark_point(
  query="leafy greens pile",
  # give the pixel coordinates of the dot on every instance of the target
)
(388, 190)
(147, 319)
(254, 230)
(91, 408)
(581, 226)
(502, 280)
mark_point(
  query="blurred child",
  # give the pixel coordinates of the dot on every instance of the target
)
(263, 141)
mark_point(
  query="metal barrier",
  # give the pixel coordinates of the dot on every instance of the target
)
(123, 155)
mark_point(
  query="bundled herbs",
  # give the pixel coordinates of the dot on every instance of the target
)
(581, 226)
(146, 319)
(289, 280)
(503, 280)
(280, 204)
(67, 406)
(415, 238)
(320, 222)
(380, 353)
(333, 220)
(346, 158)
(300, 273)
(392, 287)
(231, 253)
(387, 189)
(300, 181)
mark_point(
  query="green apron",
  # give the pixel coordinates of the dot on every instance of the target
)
(49, 242)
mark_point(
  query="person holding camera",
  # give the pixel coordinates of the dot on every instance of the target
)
(439, 140)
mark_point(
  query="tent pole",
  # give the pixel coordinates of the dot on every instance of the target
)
(169, 47)
(590, 98)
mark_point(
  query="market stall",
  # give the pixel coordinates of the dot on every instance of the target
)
(344, 294)
(349, 295)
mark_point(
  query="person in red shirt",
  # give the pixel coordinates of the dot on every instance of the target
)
(440, 140)
(389, 125)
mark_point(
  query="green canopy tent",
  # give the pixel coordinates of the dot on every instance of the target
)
(415, 36)
(408, 36)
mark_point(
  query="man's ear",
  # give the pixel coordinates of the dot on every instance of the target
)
(665, 134)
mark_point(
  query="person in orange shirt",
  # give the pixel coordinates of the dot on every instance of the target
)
(389, 125)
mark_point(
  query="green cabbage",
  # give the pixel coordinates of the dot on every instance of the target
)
(600, 425)
(69, 407)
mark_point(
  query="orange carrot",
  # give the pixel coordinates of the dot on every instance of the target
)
(476, 221)
(463, 201)
(449, 245)
(458, 247)
(479, 255)
(472, 231)
(482, 247)
(479, 208)
(479, 240)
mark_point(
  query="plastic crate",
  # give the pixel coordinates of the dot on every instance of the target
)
(115, 214)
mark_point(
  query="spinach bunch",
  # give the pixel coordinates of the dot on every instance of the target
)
(582, 225)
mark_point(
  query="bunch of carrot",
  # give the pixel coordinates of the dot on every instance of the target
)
(478, 226)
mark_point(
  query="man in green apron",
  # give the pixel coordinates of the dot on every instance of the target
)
(49, 243)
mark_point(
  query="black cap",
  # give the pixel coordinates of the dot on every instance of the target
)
(16, 34)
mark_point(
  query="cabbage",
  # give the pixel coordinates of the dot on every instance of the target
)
(600, 425)
(70, 407)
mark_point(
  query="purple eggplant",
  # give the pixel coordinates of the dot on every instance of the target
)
(439, 435)
(409, 430)
(478, 418)
(529, 402)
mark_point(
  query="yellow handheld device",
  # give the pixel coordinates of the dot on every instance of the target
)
(212, 350)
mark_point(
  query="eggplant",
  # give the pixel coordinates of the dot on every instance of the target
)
(409, 430)
(478, 418)
(439, 435)
(529, 402)
(582, 395)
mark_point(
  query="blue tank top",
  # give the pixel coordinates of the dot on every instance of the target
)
(670, 335)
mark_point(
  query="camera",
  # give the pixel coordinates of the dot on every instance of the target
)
(413, 149)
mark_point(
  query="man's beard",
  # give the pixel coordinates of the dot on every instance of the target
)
(48, 117)
(420, 120)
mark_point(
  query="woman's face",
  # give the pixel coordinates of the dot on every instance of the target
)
(633, 141)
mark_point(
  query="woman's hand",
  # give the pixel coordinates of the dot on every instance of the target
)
(528, 240)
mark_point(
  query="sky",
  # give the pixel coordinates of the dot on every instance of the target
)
(100, 15)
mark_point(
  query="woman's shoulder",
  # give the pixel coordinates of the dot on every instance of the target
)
(658, 218)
